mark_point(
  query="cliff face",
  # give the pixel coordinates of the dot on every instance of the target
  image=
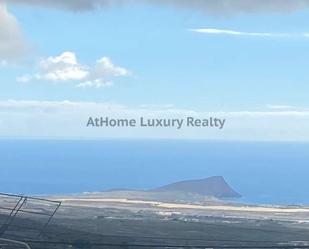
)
(213, 186)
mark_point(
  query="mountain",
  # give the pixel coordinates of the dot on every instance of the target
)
(213, 186)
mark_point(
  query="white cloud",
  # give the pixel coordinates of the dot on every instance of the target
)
(53, 106)
(12, 42)
(267, 113)
(68, 119)
(105, 67)
(3, 63)
(280, 107)
(62, 68)
(287, 108)
(213, 31)
(24, 78)
(65, 67)
(94, 84)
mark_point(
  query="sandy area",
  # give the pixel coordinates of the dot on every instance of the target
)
(94, 202)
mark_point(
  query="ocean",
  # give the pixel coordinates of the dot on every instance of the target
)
(263, 173)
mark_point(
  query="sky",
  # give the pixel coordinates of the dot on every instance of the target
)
(242, 60)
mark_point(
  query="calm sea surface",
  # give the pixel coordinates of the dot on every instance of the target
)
(268, 173)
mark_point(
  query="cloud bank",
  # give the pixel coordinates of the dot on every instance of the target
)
(12, 43)
(68, 119)
(208, 6)
(66, 68)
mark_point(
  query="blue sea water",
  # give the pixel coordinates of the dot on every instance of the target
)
(263, 173)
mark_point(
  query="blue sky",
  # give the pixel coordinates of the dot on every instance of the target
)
(255, 61)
